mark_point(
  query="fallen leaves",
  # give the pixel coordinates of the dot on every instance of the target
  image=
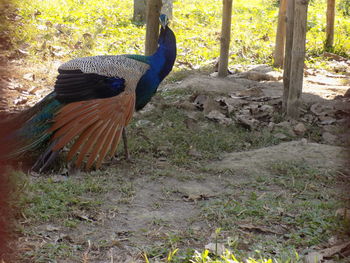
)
(342, 249)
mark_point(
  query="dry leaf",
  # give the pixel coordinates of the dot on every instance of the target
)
(195, 197)
(217, 248)
(52, 228)
(258, 228)
(329, 252)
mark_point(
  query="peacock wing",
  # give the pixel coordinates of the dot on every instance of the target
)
(98, 77)
(94, 126)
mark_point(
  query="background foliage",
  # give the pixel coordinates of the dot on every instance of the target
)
(62, 29)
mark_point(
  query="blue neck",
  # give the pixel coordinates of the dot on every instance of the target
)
(161, 63)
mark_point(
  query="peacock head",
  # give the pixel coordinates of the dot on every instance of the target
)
(164, 20)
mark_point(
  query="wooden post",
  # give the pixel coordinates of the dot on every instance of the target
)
(297, 60)
(280, 35)
(152, 26)
(288, 52)
(225, 37)
(330, 23)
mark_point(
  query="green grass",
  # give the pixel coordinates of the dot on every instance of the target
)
(63, 29)
(169, 137)
(295, 205)
(47, 200)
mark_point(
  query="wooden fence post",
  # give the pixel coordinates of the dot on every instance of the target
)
(288, 52)
(152, 26)
(297, 59)
(330, 23)
(280, 35)
(225, 37)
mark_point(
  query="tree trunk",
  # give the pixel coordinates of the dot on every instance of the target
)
(225, 37)
(330, 23)
(298, 57)
(152, 27)
(288, 52)
(280, 35)
(139, 11)
(140, 7)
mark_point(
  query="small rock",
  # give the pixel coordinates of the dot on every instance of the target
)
(248, 121)
(218, 116)
(200, 101)
(300, 128)
(141, 123)
(329, 138)
(320, 109)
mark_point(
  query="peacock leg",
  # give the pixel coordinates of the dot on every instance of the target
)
(125, 142)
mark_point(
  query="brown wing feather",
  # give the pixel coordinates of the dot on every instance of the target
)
(97, 125)
(107, 145)
(97, 146)
(115, 141)
(70, 117)
(87, 146)
(72, 129)
(82, 139)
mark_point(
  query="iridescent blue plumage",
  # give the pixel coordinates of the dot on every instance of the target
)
(161, 63)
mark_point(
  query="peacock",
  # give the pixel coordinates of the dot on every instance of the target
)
(93, 100)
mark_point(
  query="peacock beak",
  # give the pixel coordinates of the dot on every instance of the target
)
(163, 19)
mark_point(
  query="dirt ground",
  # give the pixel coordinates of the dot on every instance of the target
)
(154, 205)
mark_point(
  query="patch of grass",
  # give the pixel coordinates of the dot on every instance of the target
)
(65, 29)
(127, 191)
(167, 130)
(295, 209)
(50, 252)
(48, 200)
